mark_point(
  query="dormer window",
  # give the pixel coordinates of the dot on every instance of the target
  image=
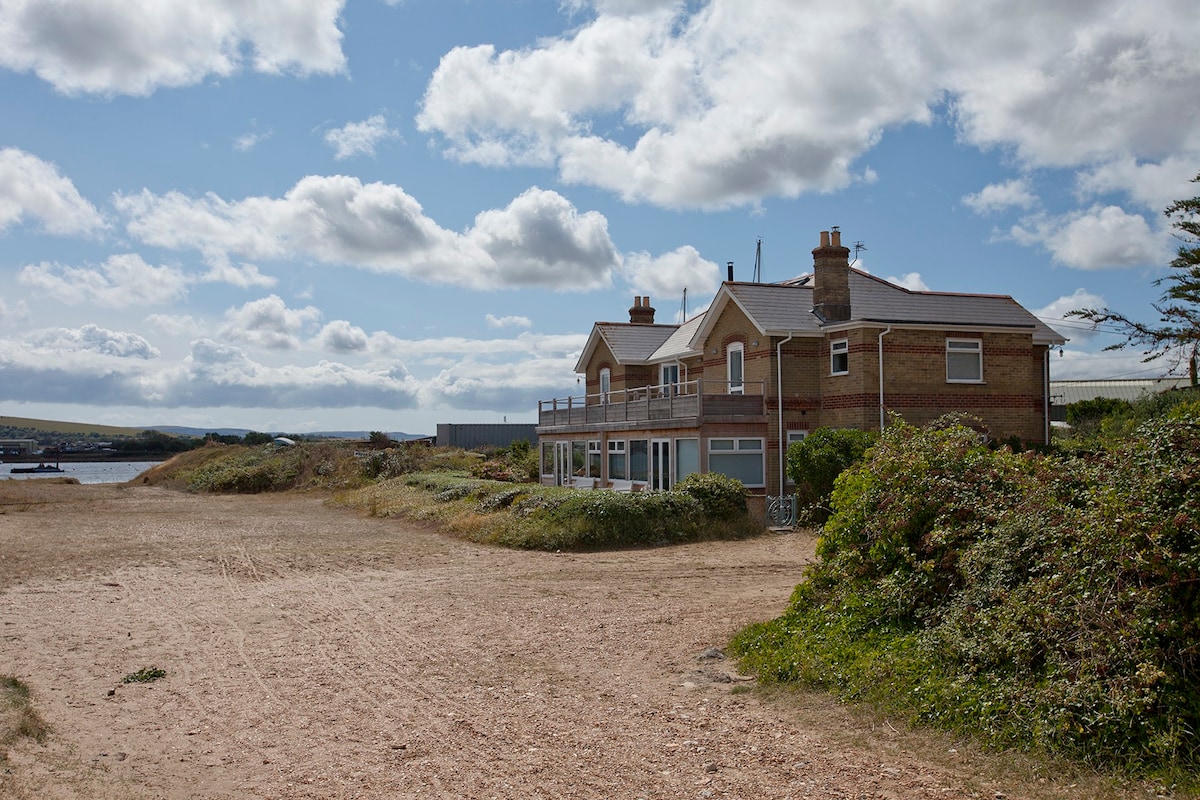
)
(605, 385)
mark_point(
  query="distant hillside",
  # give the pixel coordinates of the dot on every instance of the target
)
(70, 428)
(179, 430)
(15, 425)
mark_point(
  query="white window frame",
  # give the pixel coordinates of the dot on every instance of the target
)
(593, 447)
(964, 347)
(668, 379)
(616, 447)
(740, 446)
(605, 385)
(839, 348)
(740, 349)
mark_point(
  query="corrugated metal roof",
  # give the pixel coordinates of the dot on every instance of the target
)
(1063, 393)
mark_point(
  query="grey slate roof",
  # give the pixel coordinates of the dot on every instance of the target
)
(782, 308)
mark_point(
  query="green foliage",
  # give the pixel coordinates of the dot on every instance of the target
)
(1031, 600)
(720, 497)
(1176, 335)
(254, 438)
(815, 462)
(517, 463)
(534, 517)
(1087, 412)
(145, 675)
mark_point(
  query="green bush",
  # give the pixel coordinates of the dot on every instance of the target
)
(815, 461)
(720, 497)
(1035, 601)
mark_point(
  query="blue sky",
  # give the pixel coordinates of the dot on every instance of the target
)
(301, 215)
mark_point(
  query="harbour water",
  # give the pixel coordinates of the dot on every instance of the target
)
(86, 471)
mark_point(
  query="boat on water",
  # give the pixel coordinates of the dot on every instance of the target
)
(43, 467)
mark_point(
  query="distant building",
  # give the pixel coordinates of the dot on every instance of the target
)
(470, 436)
(18, 447)
(1064, 393)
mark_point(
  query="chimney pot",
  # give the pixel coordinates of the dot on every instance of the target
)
(824, 238)
(837, 238)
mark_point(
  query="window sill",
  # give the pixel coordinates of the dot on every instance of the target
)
(973, 383)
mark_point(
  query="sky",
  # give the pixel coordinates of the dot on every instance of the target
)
(316, 215)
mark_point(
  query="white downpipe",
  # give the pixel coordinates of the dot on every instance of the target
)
(779, 398)
(1046, 396)
(882, 334)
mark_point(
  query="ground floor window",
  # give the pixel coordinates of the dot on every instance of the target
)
(738, 458)
(639, 460)
(617, 467)
(687, 457)
(593, 458)
(548, 458)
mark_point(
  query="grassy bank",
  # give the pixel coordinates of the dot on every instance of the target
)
(450, 488)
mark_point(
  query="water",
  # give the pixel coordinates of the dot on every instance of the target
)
(87, 471)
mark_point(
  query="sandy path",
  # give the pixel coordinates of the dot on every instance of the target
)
(312, 653)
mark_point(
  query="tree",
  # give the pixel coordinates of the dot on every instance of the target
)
(1177, 332)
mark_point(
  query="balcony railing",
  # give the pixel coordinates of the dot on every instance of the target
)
(676, 401)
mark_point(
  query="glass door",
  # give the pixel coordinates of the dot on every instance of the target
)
(660, 464)
(562, 464)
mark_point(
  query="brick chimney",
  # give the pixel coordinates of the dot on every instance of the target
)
(831, 278)
(641, 313)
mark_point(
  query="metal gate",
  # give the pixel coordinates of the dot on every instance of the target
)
(781, 511)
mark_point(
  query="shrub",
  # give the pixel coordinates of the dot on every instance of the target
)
(720, 497)
(1031, 600)
(815, 462)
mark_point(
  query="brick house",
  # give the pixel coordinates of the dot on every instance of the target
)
(727, 390)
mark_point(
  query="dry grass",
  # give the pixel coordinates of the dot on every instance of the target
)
(18, 720)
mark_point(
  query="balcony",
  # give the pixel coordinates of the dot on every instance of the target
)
(692, 402)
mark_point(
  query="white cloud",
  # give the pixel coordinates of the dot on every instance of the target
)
(119, 47)
(1151, 185)
(94, 339)
(508, 322)
(1055, 314)
(663, 278)
(340, 336)
(359, 138)
(539, 239)
(999, 196)
(514, 387)
(909, 280)
(178, 326)
(268, 323)
(1102, 237)
(661, 102)
(251, 139)
(31, 188)
(122, 281)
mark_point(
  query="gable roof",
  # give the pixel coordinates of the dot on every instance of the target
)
(630, 343)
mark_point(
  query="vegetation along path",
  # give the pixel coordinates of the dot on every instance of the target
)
(180, 646)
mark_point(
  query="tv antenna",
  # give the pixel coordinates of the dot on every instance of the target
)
(858, 248)
(683, 308)
(758, 261)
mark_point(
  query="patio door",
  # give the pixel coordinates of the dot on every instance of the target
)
(562, 463)
(660, 464)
